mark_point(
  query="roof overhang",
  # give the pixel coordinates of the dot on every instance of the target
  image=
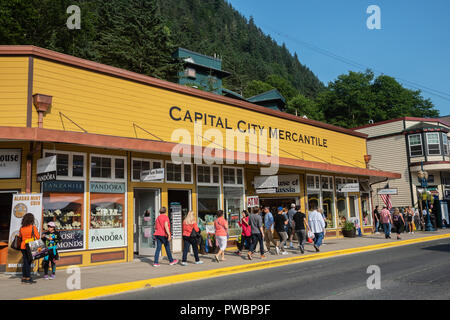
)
(166, 148)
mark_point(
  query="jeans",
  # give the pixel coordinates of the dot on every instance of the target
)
(301, 235)
(387, 229)
(377, 225)
(160, 240)
(257, 237)
(26, 264)
(318, 237)
(188, 241)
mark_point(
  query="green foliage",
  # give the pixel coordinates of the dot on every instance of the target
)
(303, 106)
(349, 226)
(256, 87)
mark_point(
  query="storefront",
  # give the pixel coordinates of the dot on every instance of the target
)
(127, 145)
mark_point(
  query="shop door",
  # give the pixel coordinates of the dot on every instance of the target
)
(183, 197)
(146, 210)
(353, 200)
(5, 214)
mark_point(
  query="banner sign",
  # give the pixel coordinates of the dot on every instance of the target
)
(21, 205)
(388, 191)
(10, 163)
(152, 175)
(176, 223)
(71, 239)
(284, 184)
(63, 186)
(46, 169)
(107, 187)
(252, 201)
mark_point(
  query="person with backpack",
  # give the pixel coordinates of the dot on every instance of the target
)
(221, 226)
(398, 221)
(162, 236)
(28, 232)
(191, 233)
(51, 239)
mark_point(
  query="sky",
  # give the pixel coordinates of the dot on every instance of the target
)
(413, 44)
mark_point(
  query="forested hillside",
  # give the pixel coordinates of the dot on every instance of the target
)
(142, 35)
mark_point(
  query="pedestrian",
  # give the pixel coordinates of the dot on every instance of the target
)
(28, 232)
(281, 222)
(291, 232)
(221, 226)
(162, 236)
(268, 228)
(376, 217)
(256, 224)
(300, 227)
(51, 238)
(317, 226)
(246, 233)
(286, 226)
(386, 220)
(191, 231)
(398, 222)
(416, 218)
(326, 224)
(409, 219)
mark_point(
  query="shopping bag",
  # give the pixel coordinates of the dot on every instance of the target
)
(310, 235)
(309, 240)
(36, 249)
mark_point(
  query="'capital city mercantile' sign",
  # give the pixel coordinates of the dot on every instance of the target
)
(177, 114)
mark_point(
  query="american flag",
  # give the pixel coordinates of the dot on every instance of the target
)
(387, 200)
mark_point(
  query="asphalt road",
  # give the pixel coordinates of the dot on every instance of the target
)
(412, 272)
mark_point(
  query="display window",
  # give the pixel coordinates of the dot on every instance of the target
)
(139, 165)
(66, 210)
(234, 205)
(107, 168)
(178, 173)
(107, 220)
(208, 205)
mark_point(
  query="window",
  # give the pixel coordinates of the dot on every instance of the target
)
(208, 175)
(415, 145)
(69, 165)
(313, 182)
(178, 173)
(433, 144)
(190, 73)
(233, 176)
(139, 165)
(445, 143)
(107, 168)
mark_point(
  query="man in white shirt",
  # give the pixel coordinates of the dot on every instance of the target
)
(317, 226)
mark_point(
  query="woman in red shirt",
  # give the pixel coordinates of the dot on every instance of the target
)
(246, 234)
(221, 226)
(189, 225)
(27, 232)
(162, 236)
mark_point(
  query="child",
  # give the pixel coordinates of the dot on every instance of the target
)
(51, 238)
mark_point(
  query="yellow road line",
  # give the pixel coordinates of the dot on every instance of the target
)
(200, 275)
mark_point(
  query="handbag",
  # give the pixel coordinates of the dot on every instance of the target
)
(36, 249)
(16, 243)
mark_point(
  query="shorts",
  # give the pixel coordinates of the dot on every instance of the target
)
(222, 242)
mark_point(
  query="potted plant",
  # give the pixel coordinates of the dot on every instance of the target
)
(349, 230)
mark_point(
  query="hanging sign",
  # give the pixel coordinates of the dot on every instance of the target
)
(388, 191)
(348, 187)
(107, 187)
(152, 175)
(10, 161)
(252, 201)
(277, 184)
(21, 205)
(46, 169)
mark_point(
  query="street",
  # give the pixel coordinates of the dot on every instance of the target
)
(412, 272)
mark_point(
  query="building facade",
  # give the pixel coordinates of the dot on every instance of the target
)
(126, 145)
(405, 145)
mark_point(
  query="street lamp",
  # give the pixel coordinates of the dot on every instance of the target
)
(423, 178)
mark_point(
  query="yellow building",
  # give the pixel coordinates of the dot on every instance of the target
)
(108, 127)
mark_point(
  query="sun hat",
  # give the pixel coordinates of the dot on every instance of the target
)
(51, 224)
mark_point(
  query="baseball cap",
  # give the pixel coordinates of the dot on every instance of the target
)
(293, 205)
(51, 224)
(280, 208)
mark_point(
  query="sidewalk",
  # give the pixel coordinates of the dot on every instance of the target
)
(141, 268)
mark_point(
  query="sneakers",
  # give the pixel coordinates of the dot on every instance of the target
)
(249, 256)
(237, 253)
(263, 256)
(156, 265)
(29, 281)
(52, 277)
(199, 262)
(183, 263)
(302, 250)
(46, 277)
(284, 253)
(173, 262)
(317, 248)
(277, 250)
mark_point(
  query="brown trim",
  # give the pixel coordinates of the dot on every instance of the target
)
(30, 91)
(107, 256)
(128, 75)
(161, 147)
(69, 260)
(400, 119)
(368, 230)
(331, 234)
(416, 164)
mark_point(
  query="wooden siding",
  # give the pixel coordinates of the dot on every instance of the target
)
(390, 154)
(13, 91)
(383, 129)
(108, 105)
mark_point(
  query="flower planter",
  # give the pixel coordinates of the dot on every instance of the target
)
(349, 233)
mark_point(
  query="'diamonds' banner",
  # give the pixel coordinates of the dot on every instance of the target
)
(21, 205)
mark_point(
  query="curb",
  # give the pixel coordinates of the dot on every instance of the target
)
(201, 275)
